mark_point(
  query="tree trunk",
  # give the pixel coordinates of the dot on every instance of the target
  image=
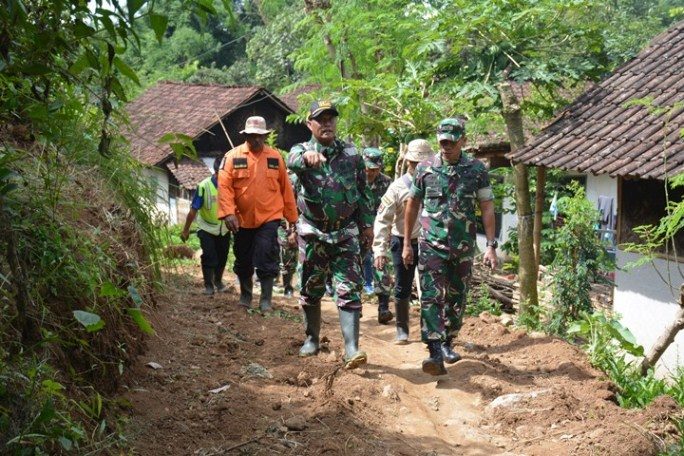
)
(527, 271)
(666, 339)
(399, 165)
(538, 214)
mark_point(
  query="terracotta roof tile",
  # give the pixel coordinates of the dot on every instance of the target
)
(189, 172)
(176, 107)
(600, 133)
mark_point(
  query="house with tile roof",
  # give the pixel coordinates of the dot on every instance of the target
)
(626, 136)
(212, 115)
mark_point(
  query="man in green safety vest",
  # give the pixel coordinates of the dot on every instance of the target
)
(213, 233)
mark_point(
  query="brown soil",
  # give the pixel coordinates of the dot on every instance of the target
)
(389, 407)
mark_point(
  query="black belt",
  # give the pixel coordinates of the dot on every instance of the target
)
(328, 226)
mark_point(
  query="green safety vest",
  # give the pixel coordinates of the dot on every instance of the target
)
(208, 220)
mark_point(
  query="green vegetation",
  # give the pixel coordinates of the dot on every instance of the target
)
(611, 347)
(479, 301)
(80, 250)
(580, 258)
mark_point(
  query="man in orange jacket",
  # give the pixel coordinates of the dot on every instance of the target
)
(254, 195)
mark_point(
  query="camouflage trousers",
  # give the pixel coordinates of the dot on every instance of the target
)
(444, 284)
(318, 259)
(382, 278)
(288, 255)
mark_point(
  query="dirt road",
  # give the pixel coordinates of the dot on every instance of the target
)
(512, 394)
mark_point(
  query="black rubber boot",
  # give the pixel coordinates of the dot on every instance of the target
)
(287, 285)
(218, 281)
(329, 287)
(384, 314)
(349, 323)
(266, 294)
(208, 276)
(246, 285)
(434, 365)
(449, 355)
(402, 308)
(312, 317)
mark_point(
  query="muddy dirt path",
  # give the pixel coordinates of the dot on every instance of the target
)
(230, 382)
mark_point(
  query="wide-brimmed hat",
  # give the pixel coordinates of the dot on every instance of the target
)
(372, 157)
(255, 125)
(319, 107)
(419, 150)
(451, 129)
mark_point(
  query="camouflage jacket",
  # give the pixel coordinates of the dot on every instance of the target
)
(330, 198)
(448, 193)
(378, 188)
(286, 227)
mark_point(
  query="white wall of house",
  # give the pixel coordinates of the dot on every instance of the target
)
(642, 300)
(183, 209)
(602, 185)
(647, 305)
(160, 180)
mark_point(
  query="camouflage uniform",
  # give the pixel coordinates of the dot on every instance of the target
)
(334, 202)
(447, 236)
(288, 255)
(381, 277)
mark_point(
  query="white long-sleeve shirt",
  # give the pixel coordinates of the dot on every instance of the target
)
(390, 216)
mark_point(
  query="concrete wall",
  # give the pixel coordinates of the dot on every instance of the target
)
(647, 305)
(160, 180)
(602, 185)
(643, 301)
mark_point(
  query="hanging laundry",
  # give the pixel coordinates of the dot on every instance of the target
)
(554, 206)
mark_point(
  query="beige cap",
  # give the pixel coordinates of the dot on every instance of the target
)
(255, 125)
(418, 151)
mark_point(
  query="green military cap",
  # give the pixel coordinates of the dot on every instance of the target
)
(450, 129)
(372, 157)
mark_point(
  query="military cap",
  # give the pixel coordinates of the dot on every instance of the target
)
(450, 129)
(372, 157)
(319, 107)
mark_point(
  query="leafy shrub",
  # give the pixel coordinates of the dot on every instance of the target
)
(608, 343)
(579, 258)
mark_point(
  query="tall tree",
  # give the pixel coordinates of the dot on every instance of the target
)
(501, 54)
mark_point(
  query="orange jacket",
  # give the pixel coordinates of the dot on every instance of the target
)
(255, 187)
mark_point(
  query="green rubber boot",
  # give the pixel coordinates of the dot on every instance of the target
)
(350, 323)
(312, 316)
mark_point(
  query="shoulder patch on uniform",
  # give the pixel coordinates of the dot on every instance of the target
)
(273, 163)
(239, 163)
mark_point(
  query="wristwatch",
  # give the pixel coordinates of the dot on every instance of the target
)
(492, 243)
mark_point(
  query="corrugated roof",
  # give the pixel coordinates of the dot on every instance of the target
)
(183, 108)
(601, 132)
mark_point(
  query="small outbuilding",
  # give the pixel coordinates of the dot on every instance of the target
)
(212, 115)
(626, 135)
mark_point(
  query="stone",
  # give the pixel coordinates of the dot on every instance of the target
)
(255, 370)
(506, 320)
(510, 400)
(296, 423)
(389, 392)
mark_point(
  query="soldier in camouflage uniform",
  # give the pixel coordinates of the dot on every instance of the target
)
(447, 185)
(287, 240)
(336, 210)
(380, 278)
